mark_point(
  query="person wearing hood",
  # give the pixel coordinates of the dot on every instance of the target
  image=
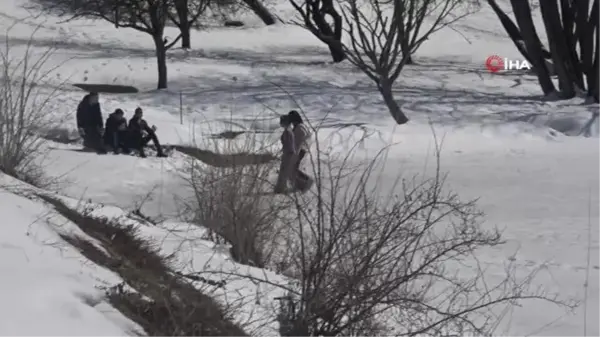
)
(90, 123)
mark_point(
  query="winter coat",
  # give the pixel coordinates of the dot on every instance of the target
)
(89, 115)
(287, 141)
(114, 125)
(137, 126)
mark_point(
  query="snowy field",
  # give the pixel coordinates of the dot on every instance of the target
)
(535, 177)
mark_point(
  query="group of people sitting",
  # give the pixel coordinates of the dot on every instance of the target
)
(117, 134)
(295, 141)
(120, 136)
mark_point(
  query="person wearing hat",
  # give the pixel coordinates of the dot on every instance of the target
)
(140, 134)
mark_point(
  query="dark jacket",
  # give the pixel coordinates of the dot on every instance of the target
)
(287, 141)
(114, 125)
(137, 126)
(89, 115)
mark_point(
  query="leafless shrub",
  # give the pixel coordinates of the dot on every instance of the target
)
(372, 256)
(372, 262)
(229, 185)
(25, 91)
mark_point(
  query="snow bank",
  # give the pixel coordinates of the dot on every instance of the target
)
(48, 288)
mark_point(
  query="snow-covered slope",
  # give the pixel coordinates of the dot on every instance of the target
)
(501, 144)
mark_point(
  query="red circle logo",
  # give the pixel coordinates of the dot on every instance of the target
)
(494, 63)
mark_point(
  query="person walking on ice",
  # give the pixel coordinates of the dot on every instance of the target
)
(287, 156)
(295, 145)
(302, 138)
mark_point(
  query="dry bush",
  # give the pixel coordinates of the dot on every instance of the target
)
(162, 302)
(25, 91)
(370, 262)
(365, 261)
(229, 183)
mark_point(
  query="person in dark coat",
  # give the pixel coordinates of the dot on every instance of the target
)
(90, 123)
(115, 132)
(140, 134)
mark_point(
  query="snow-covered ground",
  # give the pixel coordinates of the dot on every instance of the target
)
(535, 178)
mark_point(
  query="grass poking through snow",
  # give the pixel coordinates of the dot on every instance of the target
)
(161, 302)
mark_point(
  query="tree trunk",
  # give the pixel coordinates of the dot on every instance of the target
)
(388, 98)
(186, 42)
(558, 46)
(568, 12)
(533, 44)
(261, 11)
(184, 27)
(181, 6)
(331, 36)
(511, 29)
(406, 52)
(587, 29)
(596, 69)
(337, 52)
(161, 61)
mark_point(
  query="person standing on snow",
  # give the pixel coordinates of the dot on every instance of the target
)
(287, 157)
(302, 137)
(90, 123)
(140, 134)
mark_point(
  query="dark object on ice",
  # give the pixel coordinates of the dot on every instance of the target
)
(89, 122)
(233, 23)
(225, 160)
(107, 88)
(227, 135)
(140, 134)
(60, 134)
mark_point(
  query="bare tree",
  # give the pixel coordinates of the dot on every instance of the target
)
(148, 16)
(314, 18)
(256, 6)
(367, 262)
(561, 56)
(572, 30)
(383, 36)
(531, 44)
(261, 11)
(187, 13)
